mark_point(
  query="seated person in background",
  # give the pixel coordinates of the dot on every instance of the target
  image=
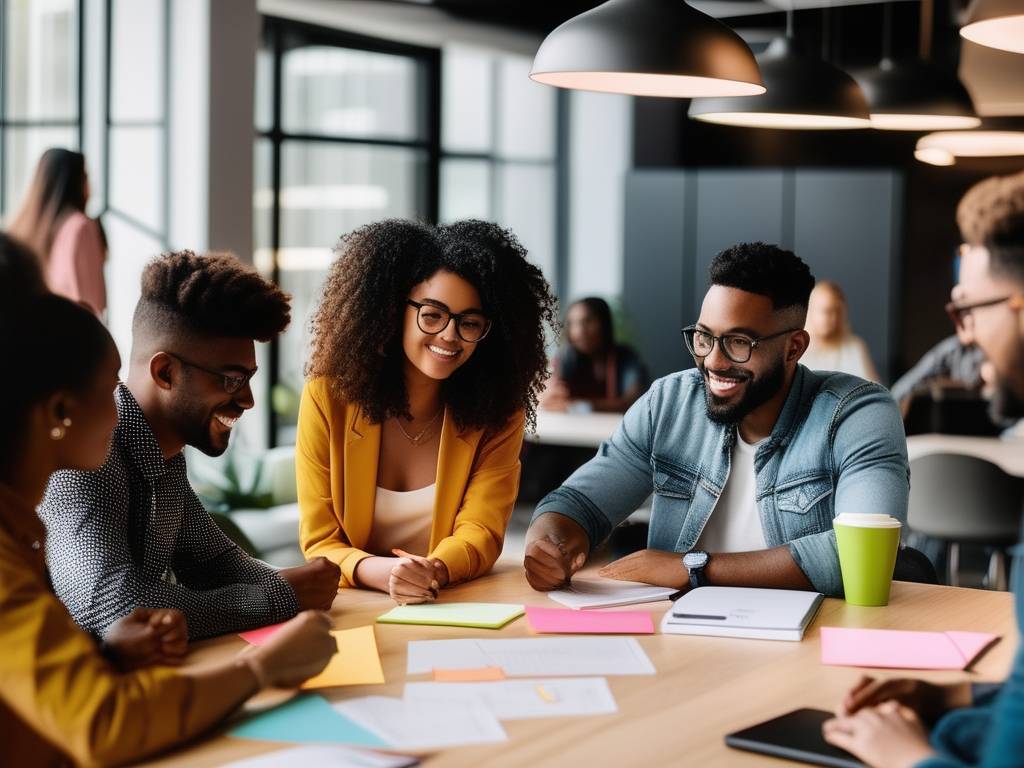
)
(593, 372)
(951, 362)
(749, 456)
(833, 346)
(883, 722)
(427, 356)
(133, 532)
(64, 698)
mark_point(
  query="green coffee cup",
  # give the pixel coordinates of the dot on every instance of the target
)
(867, 556)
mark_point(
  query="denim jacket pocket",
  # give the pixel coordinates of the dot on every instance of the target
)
(800, 496)
(673, 481)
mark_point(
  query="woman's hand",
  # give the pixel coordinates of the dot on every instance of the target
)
(927, 700)
(147, 637)
(886, 736)
(416, 579)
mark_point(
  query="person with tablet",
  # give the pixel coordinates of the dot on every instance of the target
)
(749, 456)
(885, 722)
(428, 354)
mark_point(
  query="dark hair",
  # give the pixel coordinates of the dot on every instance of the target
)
(599, 308)
(766, 270)
(55, 345)
(20, 275)
(991, 214)
(58, 187)
(357, 327)
(208, 296)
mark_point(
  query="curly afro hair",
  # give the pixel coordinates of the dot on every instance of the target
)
(357, 327)
(992, 214)
(766, 270)
(209, 296)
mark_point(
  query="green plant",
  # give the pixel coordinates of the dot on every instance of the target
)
(226, 486)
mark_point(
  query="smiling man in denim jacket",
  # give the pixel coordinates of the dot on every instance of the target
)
(749, 456)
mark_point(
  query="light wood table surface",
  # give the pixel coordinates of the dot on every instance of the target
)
(704, 687)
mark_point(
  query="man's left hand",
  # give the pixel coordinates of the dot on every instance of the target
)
(651, 566)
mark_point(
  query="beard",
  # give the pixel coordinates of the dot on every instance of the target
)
(194, 421)
(759, 390)
(1006, 406)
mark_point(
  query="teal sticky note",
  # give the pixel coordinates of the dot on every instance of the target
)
(306, 719)
(478, 615)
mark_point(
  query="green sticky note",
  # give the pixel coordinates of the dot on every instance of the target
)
(479, 615)
(306, 720)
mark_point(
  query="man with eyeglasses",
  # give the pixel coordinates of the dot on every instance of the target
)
(133, 533)
(749, 456)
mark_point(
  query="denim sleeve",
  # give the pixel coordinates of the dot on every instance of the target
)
(608, 488)
(869, 458)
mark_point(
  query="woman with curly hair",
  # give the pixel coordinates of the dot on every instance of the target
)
(428, 354)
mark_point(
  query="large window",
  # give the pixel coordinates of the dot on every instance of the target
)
(348, 133)
(40, 87)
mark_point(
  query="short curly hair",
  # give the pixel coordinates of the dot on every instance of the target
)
(209, 296)
(766, 270)
(991, 214)
(357, 328)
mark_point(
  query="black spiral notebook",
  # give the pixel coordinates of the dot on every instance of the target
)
(794, 736)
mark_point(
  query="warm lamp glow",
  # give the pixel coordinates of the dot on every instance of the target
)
(639, 84)
(783, 121)
(1006, 33)
(934, 156)
(887, 122)
(976, 143)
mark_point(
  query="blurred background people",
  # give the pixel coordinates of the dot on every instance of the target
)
(834, 347)
(592, 372)
(51, 219)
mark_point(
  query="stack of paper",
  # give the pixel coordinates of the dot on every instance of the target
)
(324, 757)
(533, 657)
(523, 699)
(898, 649)
(763, 614)
(477, 615)
(422, 725)
(608, 593)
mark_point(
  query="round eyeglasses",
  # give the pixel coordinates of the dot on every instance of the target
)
(735, 346)
(471, 326)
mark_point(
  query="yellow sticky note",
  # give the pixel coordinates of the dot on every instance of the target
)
(357, 661)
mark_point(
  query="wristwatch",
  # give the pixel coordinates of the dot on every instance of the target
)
(695, 562)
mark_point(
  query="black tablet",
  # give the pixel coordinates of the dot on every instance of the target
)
(794, 736)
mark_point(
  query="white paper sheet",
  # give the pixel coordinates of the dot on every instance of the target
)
(533, 657)
(607, 593)
(423, 725)
(324, 756)
(524, 699)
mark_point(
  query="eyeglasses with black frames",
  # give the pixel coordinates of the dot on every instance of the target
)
(470, 326)
(737, 347)
(232, 382)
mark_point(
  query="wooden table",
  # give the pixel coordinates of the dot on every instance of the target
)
(704, 688)
(581, 430)
(1006, 453)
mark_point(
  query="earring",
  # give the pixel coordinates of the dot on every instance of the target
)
(57, 433)
(66, 421)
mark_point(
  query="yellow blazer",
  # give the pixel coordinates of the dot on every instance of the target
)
(336, 454)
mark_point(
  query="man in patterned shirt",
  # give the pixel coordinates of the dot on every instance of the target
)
(133, 533)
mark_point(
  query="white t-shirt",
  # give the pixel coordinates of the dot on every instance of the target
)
(735, 523)
(850, 356)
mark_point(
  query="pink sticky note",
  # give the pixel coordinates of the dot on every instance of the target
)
(566, 621)
(261, 635)
(898, 649)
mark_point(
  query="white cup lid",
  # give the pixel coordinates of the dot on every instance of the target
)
(865, 520)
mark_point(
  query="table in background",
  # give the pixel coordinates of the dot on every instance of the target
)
(704, 687)
(581, 430)
(1006, 453)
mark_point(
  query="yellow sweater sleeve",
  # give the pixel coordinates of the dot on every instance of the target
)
(479, 530)
(320, 529)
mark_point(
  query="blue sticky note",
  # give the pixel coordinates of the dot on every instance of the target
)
(306, 720)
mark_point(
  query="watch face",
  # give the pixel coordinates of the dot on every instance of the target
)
(695, 559)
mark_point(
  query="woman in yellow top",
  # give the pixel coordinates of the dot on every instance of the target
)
(428, 353)
(64, 698)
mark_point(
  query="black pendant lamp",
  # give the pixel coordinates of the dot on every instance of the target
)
(915, 95)
(647, 48)
(804, 93)
(996, 24)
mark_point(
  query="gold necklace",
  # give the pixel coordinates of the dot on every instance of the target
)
(419, 437)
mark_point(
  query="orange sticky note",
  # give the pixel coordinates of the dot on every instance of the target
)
(468, 675)
(357, 661)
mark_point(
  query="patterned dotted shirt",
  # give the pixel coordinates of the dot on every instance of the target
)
(134, 533)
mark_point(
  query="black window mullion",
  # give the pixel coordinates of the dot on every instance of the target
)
(276, 139)
(80, 17)
(3, 104)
